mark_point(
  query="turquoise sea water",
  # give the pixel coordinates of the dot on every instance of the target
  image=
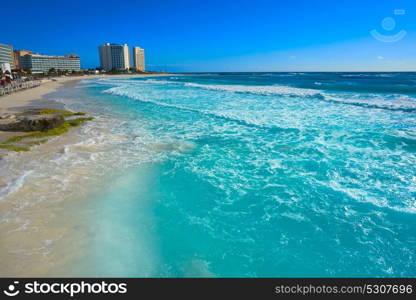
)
(253, 175)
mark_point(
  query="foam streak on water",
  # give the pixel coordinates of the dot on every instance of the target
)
(278, 174)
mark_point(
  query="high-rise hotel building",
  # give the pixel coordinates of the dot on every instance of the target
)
(17, 54)
(138, 58)
(6, 57)
(38, 63)
(114, 56)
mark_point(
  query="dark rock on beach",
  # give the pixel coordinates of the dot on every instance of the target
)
(20, 131)
(31, 122)
(42, 122)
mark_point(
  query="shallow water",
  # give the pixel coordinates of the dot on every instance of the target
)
(280, 174)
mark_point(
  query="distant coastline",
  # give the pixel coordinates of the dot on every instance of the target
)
(27, 98)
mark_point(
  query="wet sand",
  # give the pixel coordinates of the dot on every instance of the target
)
(42, 220)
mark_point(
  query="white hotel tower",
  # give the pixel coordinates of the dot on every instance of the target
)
(114, 56)
(138, 58)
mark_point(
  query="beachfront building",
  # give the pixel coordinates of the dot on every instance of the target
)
(38, 63)
(114, 56)
(138, 58)
(6, 56)
(17, 54)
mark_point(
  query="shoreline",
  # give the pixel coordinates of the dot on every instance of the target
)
(34, 98)
(27, 98)
(47, 231)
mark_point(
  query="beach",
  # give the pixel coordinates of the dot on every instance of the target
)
(32, 98)
(38, 213)
(235, 175)
(27, 98)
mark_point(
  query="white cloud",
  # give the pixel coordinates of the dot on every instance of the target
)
(380, 57)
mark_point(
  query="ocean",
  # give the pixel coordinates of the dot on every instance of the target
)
(222, 175)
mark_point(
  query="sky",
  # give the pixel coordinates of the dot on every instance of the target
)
(233, 35)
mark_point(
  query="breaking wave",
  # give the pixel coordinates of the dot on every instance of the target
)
(392, 102)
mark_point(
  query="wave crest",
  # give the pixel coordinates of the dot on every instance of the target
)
(391, 102)
(266, 90)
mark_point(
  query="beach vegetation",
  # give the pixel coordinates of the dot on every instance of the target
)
(63, 112)
(78, 121)
(35, 142)
(14, 147)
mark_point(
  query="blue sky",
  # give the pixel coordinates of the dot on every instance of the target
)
(185, 35)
